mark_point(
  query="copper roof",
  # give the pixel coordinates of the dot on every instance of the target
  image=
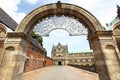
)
(7, 20)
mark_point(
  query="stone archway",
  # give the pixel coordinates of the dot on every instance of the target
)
(59, 63)
(98, 38)
(59, 8)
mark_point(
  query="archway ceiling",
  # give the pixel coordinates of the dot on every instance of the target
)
(70, 24)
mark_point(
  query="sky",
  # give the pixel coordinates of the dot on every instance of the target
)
(103, 10)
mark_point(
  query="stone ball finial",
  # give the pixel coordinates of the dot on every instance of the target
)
(117, 6)
(58, 4)
(58, 1)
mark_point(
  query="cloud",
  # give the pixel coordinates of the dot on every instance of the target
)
(87, 4)
(10, 7)
(32, 1)
(106, 12)
(103, 10)
(59, 33)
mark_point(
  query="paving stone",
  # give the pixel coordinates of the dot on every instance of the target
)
(59, 73)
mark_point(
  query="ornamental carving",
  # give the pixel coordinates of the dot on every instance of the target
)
(70, 24)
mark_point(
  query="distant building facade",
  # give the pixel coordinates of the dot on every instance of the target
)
(61, 56)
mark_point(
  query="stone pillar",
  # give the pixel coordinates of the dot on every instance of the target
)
(13, 58)
(106, 55)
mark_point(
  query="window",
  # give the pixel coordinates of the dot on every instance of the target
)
(80, 60)
(59, 49)
(54, 54)
(27, 62)
(10, 48)
(59, 55)
(70, 60)
(34, 62)
(86, 60)
(83, 60)
(92, 60)
(74, 60)
(40, 62)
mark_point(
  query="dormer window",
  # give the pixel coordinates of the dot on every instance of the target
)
(59, 49)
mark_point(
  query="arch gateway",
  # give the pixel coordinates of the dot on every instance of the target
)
(103, 43)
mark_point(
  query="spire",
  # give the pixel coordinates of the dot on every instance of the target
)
(118, 11)
(117, 18)
(59, 43)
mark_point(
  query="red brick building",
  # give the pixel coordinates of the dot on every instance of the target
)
(48, 61)
(36, 59)
(35, 54)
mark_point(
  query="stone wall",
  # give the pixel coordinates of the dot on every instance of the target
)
(1, 46)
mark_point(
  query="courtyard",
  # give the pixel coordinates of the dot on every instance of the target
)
(60, 73)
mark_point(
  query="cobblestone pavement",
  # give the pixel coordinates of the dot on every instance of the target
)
(60, 73)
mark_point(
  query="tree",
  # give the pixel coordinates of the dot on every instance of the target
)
(38, 38)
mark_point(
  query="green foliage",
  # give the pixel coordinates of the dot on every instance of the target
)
(38, 38)
(45, 52)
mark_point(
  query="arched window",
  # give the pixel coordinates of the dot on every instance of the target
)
(111, 52)
(10, 48)
(112, 60)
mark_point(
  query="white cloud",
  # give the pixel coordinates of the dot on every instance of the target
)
(103, 10)
(106, 12)
(87, 4)
(32, 1)
(59, 33)
(10, 7)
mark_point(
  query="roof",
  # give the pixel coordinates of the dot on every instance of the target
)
(80, 52)
(113, 21)
(65, 47)
(110, 25)
(7, 20)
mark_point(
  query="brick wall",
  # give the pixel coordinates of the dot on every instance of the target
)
(49, 61)
(35, 59)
